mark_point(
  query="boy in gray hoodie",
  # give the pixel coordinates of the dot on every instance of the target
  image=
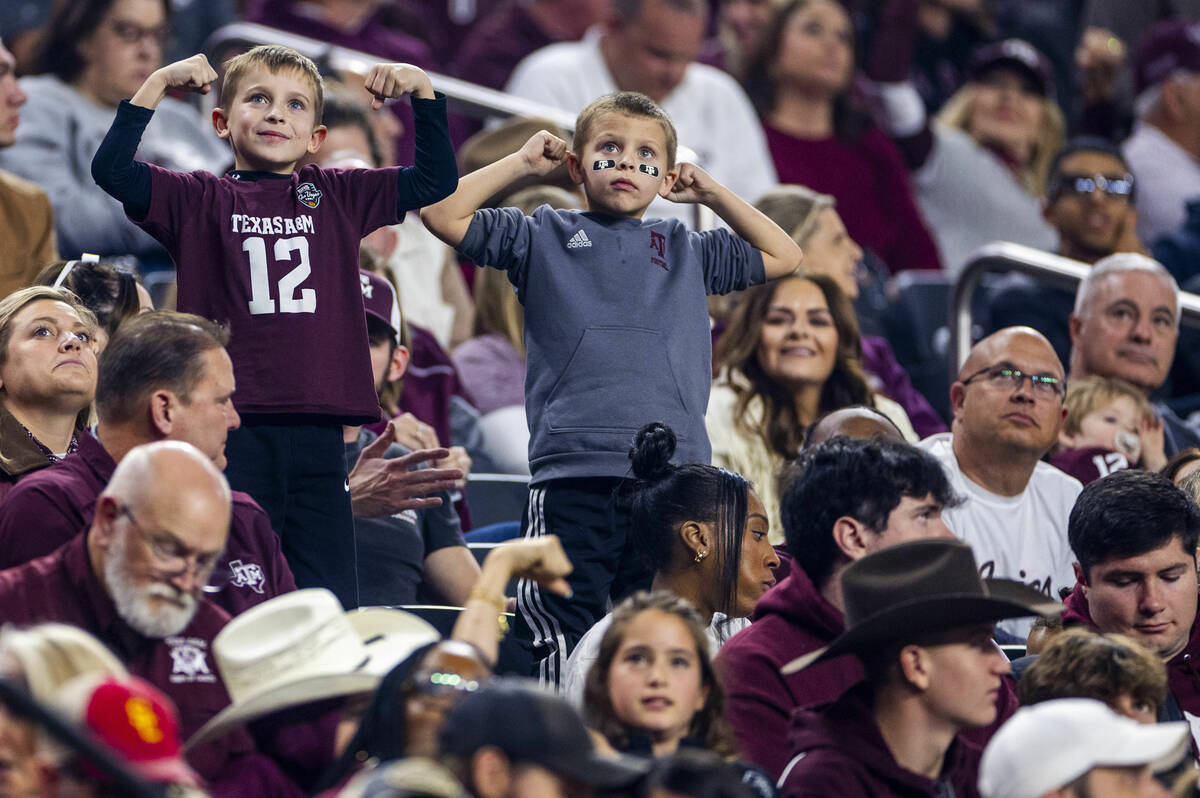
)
(616, 331)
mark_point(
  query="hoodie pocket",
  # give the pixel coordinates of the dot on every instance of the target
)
(617, 380)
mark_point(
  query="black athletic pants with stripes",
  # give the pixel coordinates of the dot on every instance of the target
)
(596, 536)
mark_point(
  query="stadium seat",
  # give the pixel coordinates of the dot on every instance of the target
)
(496, 498)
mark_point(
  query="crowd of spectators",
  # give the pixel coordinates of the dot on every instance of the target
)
(256, 368)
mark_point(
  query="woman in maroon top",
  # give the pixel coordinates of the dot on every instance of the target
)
(800, 81)
(47, 378)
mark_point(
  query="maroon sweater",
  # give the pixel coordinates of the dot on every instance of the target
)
(52, 506)
(1183, 670)
(873, 191)
(840, 753)
(63, 587)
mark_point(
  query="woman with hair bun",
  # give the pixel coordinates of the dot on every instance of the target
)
(702, 530)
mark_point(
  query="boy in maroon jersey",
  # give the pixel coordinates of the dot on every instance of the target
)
(274, 253)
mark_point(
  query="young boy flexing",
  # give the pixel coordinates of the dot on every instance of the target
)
(274, 252)
(616, 330)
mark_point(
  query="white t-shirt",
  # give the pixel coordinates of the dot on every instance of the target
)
(1022, 537)
(1167, 175)
(587, 651)
(712, 115)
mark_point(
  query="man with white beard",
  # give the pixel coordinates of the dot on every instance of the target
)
(136, 578)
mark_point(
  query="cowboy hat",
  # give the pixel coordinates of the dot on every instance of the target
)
(917, 588)
(303, 647)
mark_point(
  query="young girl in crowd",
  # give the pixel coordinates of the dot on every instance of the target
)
(1110, 426)
(703, 531)
(653, 689)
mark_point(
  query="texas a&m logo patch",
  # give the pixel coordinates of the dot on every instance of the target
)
(658, 245)
(308, 194)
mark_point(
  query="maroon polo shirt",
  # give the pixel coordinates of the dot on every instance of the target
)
(63, 587)
(52, 506)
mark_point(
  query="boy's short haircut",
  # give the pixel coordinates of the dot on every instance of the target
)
(1127, 514)
(276, 58)
(630, 103)
(1082, 664)
(1088, 394)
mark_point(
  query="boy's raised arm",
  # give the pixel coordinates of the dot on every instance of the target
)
(450, 218)
(781, 255)
(113, 166)
(194, 74)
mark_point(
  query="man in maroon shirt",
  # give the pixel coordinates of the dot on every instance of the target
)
(164, 376)
(136, 581)
(848, 498)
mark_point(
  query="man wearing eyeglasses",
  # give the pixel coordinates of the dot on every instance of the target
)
(136, 580)
(1089, 201)
(1008, 407)
(1126, 325)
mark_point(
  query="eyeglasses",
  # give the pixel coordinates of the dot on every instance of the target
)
(1086, 185)
(133, 33)
(1044, 386)
(172, 559)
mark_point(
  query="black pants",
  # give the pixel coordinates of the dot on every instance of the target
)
(296, 469)
(596, 535)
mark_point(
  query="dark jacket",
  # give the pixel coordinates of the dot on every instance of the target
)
(19, 453)
(840, 753)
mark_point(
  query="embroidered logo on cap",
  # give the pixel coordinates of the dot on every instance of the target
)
(308, 194)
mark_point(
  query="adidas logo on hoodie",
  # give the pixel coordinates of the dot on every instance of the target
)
(578, 240)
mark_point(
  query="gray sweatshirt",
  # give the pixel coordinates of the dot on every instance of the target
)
(616, 328)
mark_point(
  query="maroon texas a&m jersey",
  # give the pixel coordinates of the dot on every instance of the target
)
(277, 258)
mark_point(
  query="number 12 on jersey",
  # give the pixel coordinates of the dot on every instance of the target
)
(260, 282)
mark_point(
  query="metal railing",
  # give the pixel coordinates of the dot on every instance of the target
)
(463, 96)
(1055, 270)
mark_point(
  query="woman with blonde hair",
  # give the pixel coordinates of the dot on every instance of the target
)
(979, 169)
(47, 379)
(813, 222)
(791, 353)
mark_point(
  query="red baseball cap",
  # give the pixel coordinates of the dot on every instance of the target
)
(379, 300)
(136, 721)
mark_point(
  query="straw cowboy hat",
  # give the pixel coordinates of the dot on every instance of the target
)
(920, 587)
(303, 647)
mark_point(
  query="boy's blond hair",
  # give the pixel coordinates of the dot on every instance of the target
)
(1088, 394)
(276, 58)
(630, 103)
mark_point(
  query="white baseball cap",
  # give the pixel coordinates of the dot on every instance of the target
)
(1048, 745)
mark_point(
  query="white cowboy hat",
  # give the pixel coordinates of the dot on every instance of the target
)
(303, 647)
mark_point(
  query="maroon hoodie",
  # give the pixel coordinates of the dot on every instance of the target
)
(792, 619)
(840, 753)
(1183, 670)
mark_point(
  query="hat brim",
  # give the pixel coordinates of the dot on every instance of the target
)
(389, 636)
(1004, 599)
(598, 771)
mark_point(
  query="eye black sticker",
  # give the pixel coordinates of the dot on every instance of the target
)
(598, 165)
(648, 169)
